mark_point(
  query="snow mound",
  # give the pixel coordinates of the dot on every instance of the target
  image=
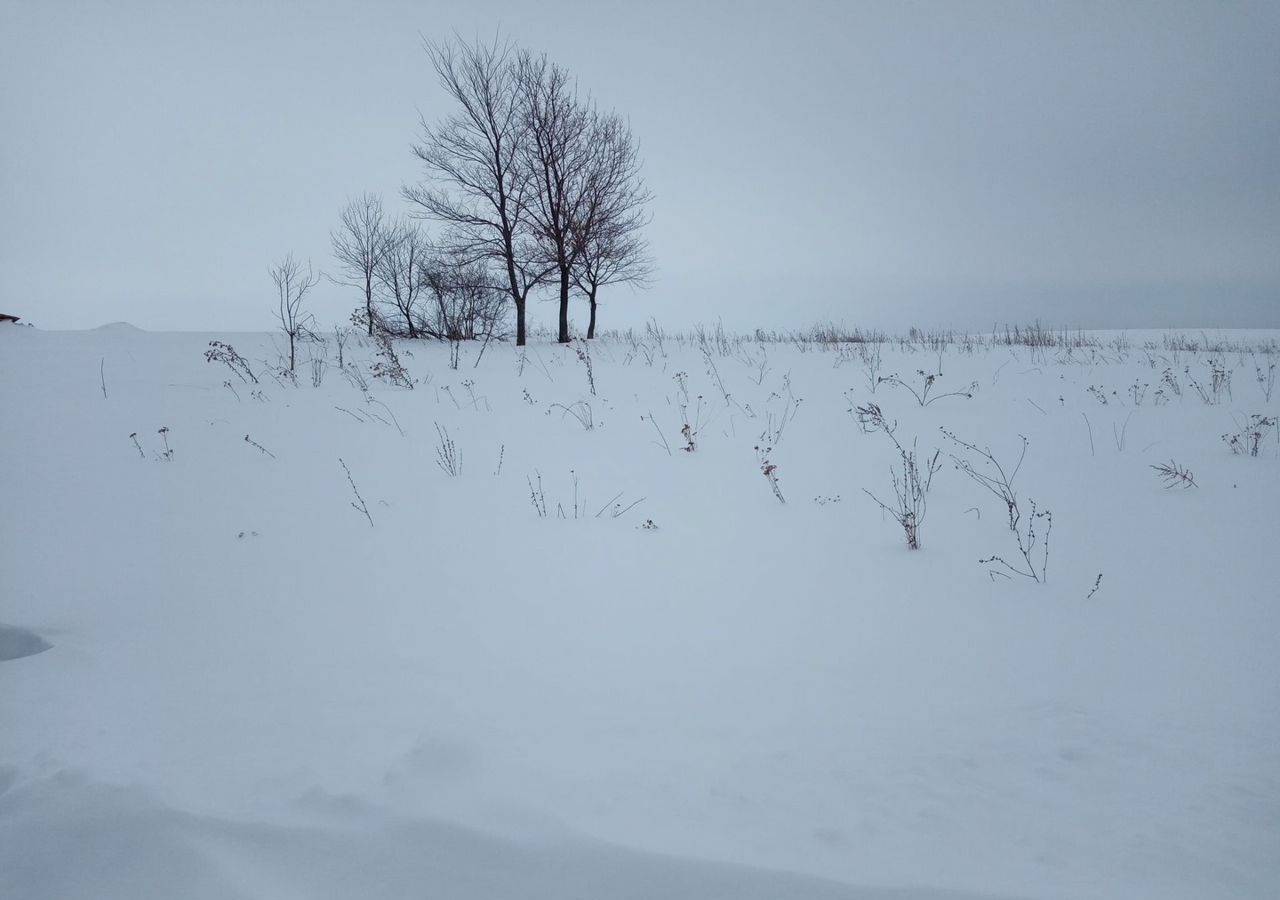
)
(16, 643)
(119, 328)
(68, 836)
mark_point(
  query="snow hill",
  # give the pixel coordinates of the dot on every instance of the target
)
(540, 626)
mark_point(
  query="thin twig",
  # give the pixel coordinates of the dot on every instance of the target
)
(606, 506)
(362, 507)
(249, 440)
(665, 445)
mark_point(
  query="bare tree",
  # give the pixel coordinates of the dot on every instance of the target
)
(557, 151)
(611, 249)
(476, 182)
(292, 285)
(466, 301)
(614, 257)
(399, 272)
(359, 243)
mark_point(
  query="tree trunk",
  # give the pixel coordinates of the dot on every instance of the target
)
(514, 284)
(564, 304)
(368, 303)
(591, 327)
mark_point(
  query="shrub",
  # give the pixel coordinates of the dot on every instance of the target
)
(910, 483)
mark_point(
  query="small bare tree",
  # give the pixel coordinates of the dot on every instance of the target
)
(399, 272)
(292, 285)
(359, 244)
(465, 301)
(477, 184)
(611, 249)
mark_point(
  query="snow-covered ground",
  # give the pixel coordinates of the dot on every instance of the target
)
(252, 693)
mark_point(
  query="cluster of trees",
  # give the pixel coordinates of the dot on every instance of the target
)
(410, 285)
(536, 191)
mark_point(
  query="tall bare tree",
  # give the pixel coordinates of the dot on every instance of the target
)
(359, 243)
(611, 249)
(292, 285)
(399, 272)
(557, 151)
(476, 182)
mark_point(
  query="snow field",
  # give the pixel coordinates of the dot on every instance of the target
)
(469, 700)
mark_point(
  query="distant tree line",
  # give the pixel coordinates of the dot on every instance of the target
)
(535, 192)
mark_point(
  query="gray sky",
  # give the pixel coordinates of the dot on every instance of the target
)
(1111, 164)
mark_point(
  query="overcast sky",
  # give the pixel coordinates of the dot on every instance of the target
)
(1112, 164)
